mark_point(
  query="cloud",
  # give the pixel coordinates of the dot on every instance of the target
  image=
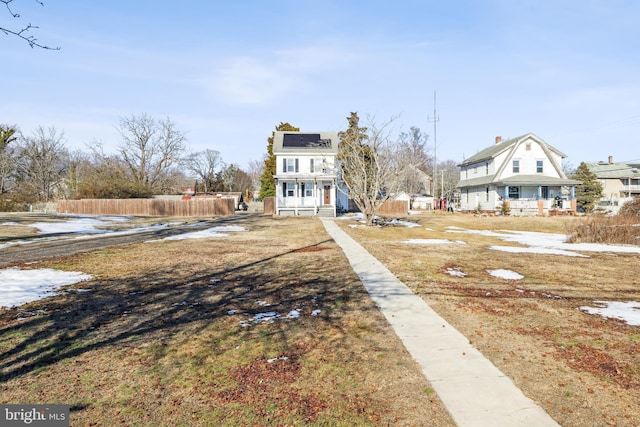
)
(260, 81)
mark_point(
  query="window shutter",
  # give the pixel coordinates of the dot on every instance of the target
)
(284, 189)
(284, 165)
(297, 168)
(311, 165)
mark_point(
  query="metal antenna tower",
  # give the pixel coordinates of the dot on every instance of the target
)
(435, 119)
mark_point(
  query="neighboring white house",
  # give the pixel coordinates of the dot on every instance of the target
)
(307, 174)
(523, 172)
(620, 183)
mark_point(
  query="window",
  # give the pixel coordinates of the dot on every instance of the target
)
(514, 192)
(528, 146)
(486, 168)
(539, 166)
(290, 165)
(288, 189)
(308, 190)
(516, 166)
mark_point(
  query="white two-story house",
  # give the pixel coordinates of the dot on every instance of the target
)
(524, 173)
(307, 174)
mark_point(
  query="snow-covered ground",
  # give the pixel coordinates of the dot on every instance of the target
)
(21, 286)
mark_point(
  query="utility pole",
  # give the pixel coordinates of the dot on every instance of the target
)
(435, 119)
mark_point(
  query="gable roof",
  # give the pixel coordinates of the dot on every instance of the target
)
(495, 150)
(285, 142)
(509, 147)
(614, 170)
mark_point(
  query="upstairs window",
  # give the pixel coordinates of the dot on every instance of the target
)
(290, 165)
(539, 166)
(516, 166)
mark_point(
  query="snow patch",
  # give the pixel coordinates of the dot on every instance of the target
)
(19, 287)
(505, 274)
(628, 312)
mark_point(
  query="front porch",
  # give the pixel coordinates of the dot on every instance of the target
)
(540, 207)
(305, 197)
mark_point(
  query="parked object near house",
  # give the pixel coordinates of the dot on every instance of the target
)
(307, 174)
(523, 174)
(620, 183)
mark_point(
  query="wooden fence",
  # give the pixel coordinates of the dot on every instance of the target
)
(388, 208)
(269, 205)
(149, 207)
(394, 208)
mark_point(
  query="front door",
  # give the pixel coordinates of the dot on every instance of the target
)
(327, 195)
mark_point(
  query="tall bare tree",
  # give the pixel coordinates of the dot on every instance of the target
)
(150, 149)
(7, 162)
(368, 166)
(7, 167)
(41, 163)
(24, 32)
(414, 162)
(204, 165)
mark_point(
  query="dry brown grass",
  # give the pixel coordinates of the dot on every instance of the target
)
(584, 370)
(154, 342)
(618, 229)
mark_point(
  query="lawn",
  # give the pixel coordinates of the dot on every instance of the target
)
(583, 369)
(268, 326)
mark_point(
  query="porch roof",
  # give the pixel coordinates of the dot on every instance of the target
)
(305, 177)
(537, 180)
(516, 180)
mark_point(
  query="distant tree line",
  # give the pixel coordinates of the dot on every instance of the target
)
(151, 159)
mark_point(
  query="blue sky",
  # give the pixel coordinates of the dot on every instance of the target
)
(228, 72)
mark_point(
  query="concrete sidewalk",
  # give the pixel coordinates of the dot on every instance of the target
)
(474, 391)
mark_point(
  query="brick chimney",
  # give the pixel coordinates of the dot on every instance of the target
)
(498, 139)
(610, 160)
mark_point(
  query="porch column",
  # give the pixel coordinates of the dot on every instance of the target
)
(539, 192)
(296, 192)
(574, 202)
(506, 192)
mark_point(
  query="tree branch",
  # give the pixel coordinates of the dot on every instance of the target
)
(22, 33)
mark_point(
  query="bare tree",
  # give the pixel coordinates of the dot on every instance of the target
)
(150, 149)
(41, 163)
(204, 165)
(368, 167)
(7, 162)
(23, 32)
(414, 162)
(7, 167)
(255, 171)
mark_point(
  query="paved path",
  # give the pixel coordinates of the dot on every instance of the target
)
(474, 391)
